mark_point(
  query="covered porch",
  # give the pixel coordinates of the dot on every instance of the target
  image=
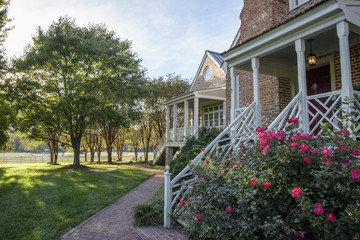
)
(314, 93)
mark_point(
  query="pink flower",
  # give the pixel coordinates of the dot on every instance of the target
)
(304, 147)
(318, 209)
(294, 144)
(296, 192)
(228, 208)
(254, 182)
(281, 134)
(356, 152)
(266, 149)
(198, 217)
(355, 174)
(298, 136)
(346, 163)
(326, 152)
(292, 120)
(203, 149)
(262, 134)
(306, 136)
(301, 234)
(241, 146)
(181, 203)
(261, 129)
(345, 132)
(326, 160)
(264, 141)
(191, 200)
(314, 151)
(337, 150)
(345, 147)
(266, 185)
(307, 159)
(331, 217)
(236, 163)
(319, 136)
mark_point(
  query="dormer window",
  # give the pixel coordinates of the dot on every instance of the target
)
(295, 3)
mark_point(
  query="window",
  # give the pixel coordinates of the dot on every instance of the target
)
(207, 73)
(213, 116)
(295, 3)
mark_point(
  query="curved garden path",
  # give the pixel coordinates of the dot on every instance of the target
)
(116, 222)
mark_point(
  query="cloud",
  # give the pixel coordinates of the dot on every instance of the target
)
(169, 35)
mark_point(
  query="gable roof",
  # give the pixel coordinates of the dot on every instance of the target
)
(214, 55)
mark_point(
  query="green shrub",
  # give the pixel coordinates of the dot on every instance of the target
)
(151, 213)
(191, 149)
(278, 187)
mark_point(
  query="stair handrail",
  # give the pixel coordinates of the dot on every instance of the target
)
(159, 146)
(281, 118)
(213, 143)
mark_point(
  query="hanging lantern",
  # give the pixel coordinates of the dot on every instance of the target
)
(311, 57)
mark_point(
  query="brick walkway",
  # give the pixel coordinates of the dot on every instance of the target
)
(115, 221)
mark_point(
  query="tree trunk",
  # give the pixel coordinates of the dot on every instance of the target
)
(136, 153)
(109, 152)
(92, 155)
(76, 143)
(51, 152)
(85, 153)
(55, 150)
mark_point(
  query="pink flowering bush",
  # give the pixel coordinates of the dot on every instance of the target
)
(278, 187)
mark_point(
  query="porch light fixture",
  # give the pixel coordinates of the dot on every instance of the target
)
(311, 57)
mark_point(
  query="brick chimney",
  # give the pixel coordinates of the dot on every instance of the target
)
(258, 16)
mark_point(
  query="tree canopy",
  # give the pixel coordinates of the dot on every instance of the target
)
(70, 75)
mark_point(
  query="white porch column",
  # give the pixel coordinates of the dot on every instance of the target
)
(237, 91)
(186, 117)
(168, 123)
(175, 121)
(300, 51)
(255, 66)
(233, 94)
(196, 117)
(346, 81)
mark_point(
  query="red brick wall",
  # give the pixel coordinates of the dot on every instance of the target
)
(259, 16)
(355, 66)
(275, 93)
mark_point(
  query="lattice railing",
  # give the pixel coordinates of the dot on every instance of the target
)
(267, 118)
(324, 108)
(357, 108)
(292, 110)
(240, 131)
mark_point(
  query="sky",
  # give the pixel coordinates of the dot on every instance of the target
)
(170, 36)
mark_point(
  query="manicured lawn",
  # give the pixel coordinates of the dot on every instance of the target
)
(39, 201)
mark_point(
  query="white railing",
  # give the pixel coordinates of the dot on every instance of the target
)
(324, 108)
(240, 131)
(357, 107)
(292, 110)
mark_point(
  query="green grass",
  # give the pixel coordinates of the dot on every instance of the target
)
(40, 201)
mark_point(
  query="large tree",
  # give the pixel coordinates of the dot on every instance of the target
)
(80, 72)
(7, 113)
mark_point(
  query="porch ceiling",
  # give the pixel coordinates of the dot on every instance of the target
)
(283, 61)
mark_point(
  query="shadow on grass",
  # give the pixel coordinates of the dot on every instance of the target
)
(44, 203)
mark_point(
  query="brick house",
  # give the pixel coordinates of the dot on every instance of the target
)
(268, 63)
(289, 59)
(202, 106)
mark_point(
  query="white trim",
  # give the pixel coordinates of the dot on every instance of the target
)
(293, 5)
(191, 95)
(327, 15)
(236, 39)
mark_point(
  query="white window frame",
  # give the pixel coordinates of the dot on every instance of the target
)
(295, 3)
(207, 113)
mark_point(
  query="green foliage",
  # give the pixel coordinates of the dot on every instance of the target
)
(73, 77)
(230, 198)
(39, 201)
(151, 213)
(191, 149)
